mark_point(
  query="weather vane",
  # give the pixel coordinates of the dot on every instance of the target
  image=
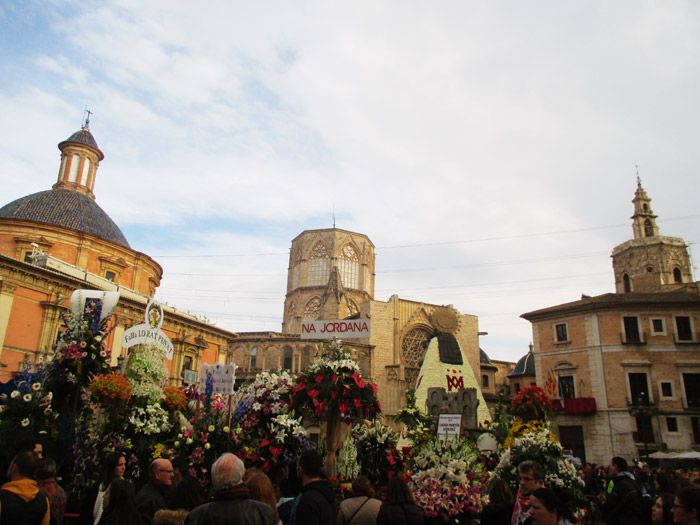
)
(88, 113)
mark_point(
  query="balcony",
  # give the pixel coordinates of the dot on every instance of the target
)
(575, 406)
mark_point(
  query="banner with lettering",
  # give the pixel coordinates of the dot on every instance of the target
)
(328, 329)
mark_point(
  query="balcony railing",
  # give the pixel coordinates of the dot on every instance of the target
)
(580, 406)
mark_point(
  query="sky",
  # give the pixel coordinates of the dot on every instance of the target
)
(489, 149)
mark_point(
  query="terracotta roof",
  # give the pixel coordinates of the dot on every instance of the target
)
(85, 138)
(68, 209)
(610, 301)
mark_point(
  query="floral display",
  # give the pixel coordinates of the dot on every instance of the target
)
(149, 420)
(418, 425)
(147, 373)
(531, 403)
(110, 389)
(333, 384)
(268, 435)
(348, 467)
(448, 480)
(376, 451)
(174, 398)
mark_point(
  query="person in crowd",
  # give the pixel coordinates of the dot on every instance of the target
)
(500, 507)
(531, 477)
(546, 508)
(157, 493)
(120, 505)
(45, 476)
(261, 489)
(399, 507)
(623, 504)
(665, 481)
(170, 517)
(189, 493)
(316, 503)
(662, 511)
(113, 468)
(286, 497)
(231, 504)
(21, 501)
(362, 508)
(686, 506)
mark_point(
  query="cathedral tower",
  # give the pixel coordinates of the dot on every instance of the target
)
(649, 262)
(331, 274)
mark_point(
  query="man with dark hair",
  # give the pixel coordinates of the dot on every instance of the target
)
(21, 501)
(623, 502)
(157, 493)
(316, 504)
(531, 477)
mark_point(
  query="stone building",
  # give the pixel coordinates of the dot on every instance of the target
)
(59, 240)
(495, 379)
(626, 364)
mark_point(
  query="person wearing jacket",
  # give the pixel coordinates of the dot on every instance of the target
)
(232, 504)
(21, 501)
(623, 500)
(399, 507)
(316, 503)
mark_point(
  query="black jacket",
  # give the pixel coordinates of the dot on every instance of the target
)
(150, 499)
(400, 514)
(316, 505)
(497, 514)
(232, 507)
(623, 503)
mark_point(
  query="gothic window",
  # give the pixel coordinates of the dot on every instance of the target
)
(349, 267)
(288, 355)
(319, 265)
(626, 283)
(312, 308)
(253, 358)
(415, 343)
(677, 277)
(648, 230)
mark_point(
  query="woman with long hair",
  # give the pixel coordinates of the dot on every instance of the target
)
(662, 511)
(120, 505)
(261, 489)
(399, 507)
(113, 468)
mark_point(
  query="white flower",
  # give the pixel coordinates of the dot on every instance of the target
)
(176, 444)
(210, 428)
(226, 430)
(207, 446)
(27, 397)
(189, 441)
(47, 411)
(14, 394)
(36, 387)
(25, 422)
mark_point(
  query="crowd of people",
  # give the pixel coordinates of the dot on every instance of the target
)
(617, 495)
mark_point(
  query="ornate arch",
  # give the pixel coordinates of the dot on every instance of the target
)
(312, 308)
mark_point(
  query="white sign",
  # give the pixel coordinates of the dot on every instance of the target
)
(347, 329)
(449, 425)
(222, 377)
(149, 332)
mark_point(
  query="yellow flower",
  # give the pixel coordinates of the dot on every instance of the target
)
(158, 450)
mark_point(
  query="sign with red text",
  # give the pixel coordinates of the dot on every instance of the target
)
(346, 329)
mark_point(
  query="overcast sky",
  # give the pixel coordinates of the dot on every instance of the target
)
(488, 149)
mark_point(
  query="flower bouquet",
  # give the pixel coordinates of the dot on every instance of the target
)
(174, 398)
(448, 479)
(110, 390)
(376, 451)
(531, 403)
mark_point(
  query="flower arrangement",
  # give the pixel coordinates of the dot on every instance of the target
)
(448, 480)
(110, 389)
(26, 412)
(174, 398)
(531, 403)
(147, 373)
(348, 467)
(149, 420)
(376, 451)
(534, 441)
(418, 425)
(333, 384)
(286, 439)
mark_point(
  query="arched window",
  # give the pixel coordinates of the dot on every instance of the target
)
(349, 267)
(485, 381)
(312, 308)
(288, 357)
(253, 358)
(415, 343)
(319, 265)
(626, 283)
(677, 276)
(648, 230)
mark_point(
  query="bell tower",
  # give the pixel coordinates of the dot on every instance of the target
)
(80, 158)
(650, 262)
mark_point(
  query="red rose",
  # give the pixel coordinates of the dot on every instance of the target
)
(276, 451)
(265, 442)
(314, 393)
(299, 388)
(318, 378)
(343, 407)
(358, 402)
(319, 407)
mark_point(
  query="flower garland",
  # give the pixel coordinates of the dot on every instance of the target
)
(333, 384)
(448, 480)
